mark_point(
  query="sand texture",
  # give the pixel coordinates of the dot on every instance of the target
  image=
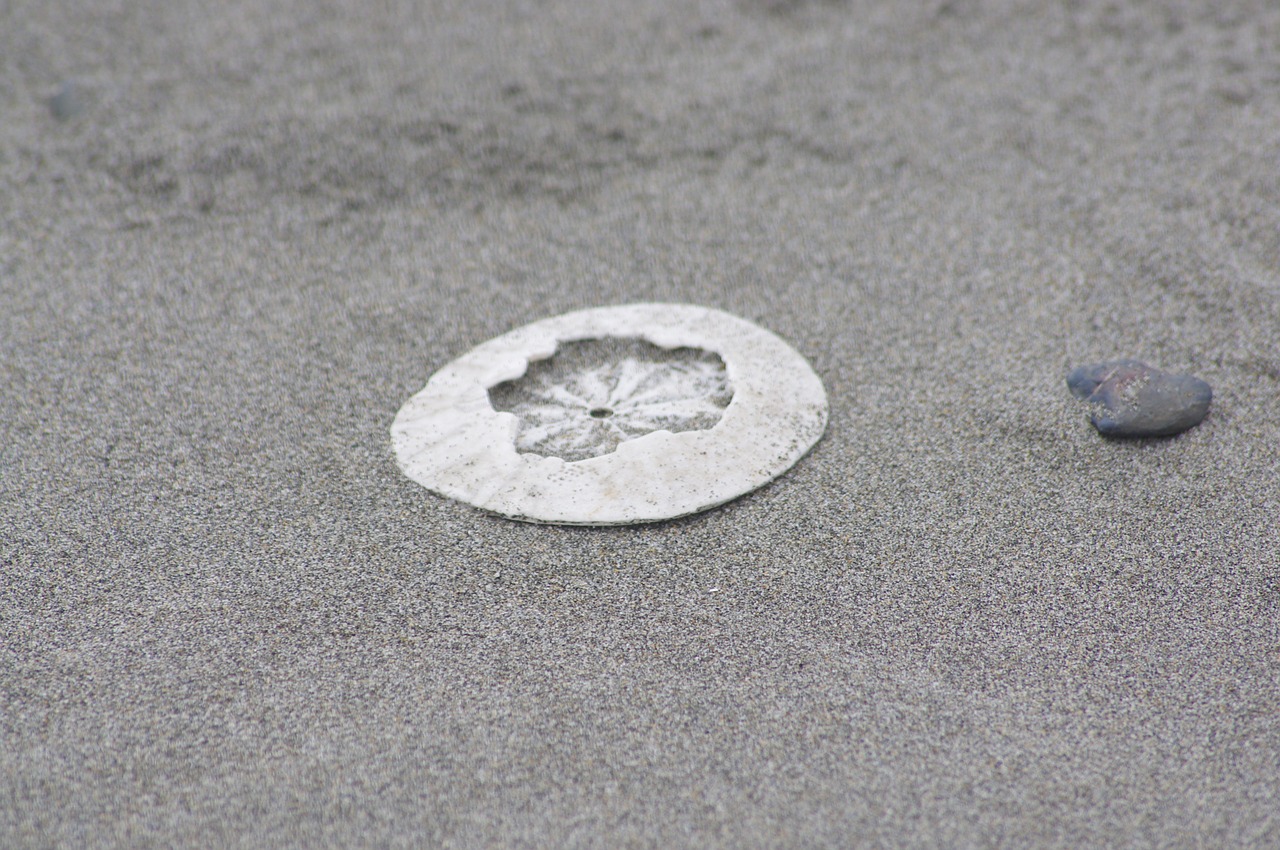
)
(236, 237)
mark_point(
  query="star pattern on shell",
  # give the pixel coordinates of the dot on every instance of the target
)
(605, 392)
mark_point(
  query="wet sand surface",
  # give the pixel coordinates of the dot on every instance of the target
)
(235, 238)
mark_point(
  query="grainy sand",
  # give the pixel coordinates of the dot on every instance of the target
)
(965, 620)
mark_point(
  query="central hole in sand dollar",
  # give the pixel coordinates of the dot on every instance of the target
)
(594, 394)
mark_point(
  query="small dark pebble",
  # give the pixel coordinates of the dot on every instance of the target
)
(1137, 400)
(67, 103)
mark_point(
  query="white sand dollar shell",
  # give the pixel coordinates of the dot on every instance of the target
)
(707, 446)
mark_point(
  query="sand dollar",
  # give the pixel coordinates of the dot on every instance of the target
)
(612, 416)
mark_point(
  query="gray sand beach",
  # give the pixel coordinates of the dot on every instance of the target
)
(235, 238)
